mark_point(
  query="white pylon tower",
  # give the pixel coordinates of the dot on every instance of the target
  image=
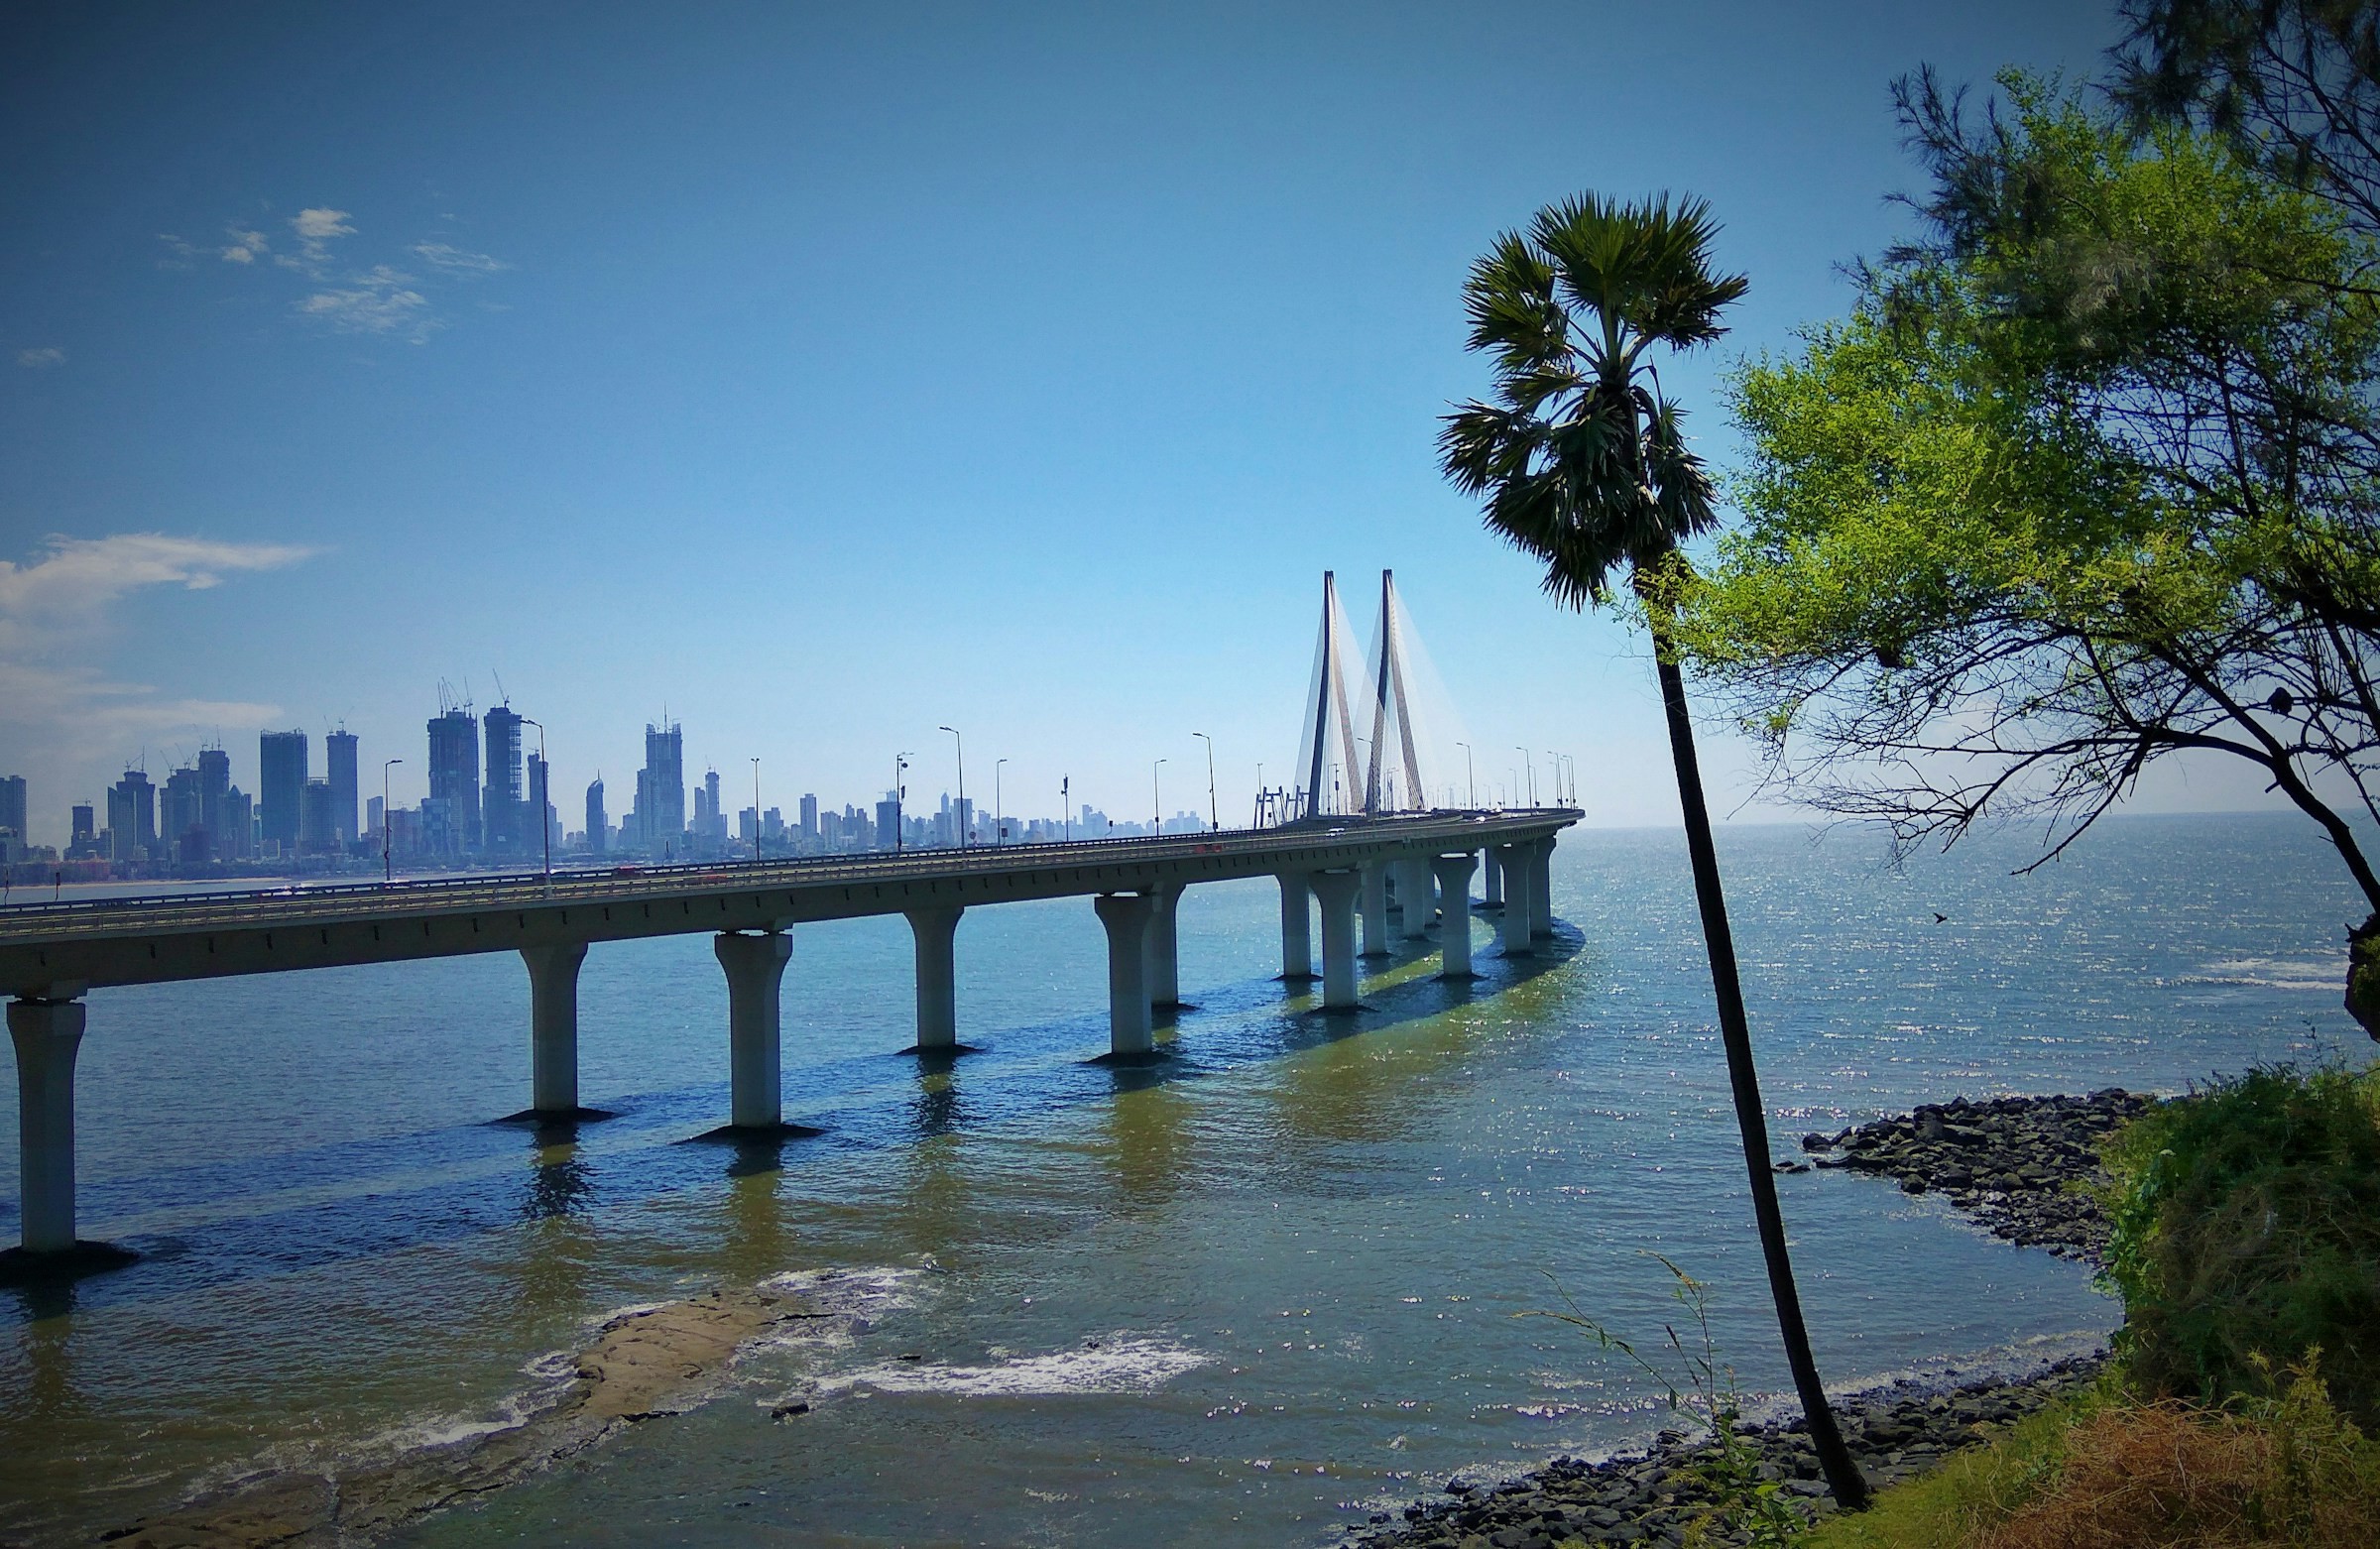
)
(1327, 759)
(1392, 782)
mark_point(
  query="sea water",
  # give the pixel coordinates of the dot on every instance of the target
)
(1286, 1277)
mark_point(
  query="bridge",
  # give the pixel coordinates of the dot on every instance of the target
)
(1407, 875)
(1355, 845)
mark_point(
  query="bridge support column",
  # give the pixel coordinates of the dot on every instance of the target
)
(756, 970)
(1375, 907)
(1491, 885)
(1336, 891)
(934, 931)
(1454, 928)
(48, 1035)
(1164, 947)
(1297, 939)
(1125, 914)
(1415, 891)
(1541, 889)
(1513, 862)
(553, 1027)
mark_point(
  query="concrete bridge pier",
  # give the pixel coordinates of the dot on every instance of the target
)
(1336, 891)
(1541, 889)
(1453, 928)
(934, 930)
(1513, 862)
(1297, 939)
(756, 970)
(1375, 907)
(553, 1027)
(1419, 897)
(48, 1035)
(1164, 948)
(1491, 885)
(1126, 914)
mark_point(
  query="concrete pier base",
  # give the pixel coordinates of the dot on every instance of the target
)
(553, 1029)
(934, 933)
(48, 1035)
(1336, 891)
(1541, 889)
(1164, 946)
(1491, 882)
(1454, 925)
(1513, 862)
(1125, 915)
(1297, 939)
(1418, 896)
(1376, 909)
(756, 970)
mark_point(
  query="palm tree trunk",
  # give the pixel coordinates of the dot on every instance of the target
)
(1842, 1475)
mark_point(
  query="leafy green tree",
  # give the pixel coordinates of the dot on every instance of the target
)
(2091, 477)
(1584, 465)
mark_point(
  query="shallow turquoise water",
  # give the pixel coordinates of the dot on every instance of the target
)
(1245, 1296)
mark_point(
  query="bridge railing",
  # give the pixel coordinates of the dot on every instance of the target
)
(300, 901)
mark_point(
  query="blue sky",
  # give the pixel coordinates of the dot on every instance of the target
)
(830, 374)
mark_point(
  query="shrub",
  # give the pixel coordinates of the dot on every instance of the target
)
(2246, 1237)
(2289, 1472)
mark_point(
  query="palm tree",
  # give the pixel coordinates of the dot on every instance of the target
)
(1584, 464)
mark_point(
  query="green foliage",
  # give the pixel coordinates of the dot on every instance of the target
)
(2089, 478)
(1583, 463)
(2246, 1236)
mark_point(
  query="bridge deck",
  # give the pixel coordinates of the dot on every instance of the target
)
(47, 949)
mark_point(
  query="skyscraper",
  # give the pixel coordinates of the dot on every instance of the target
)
(181, 817)
(12, 806)
(215, 788)
(85, 832)
(538, 834)
(598, 820)
(338, 754)
(451, 819)
(809, 815)
(662, 791)
(132, 816)
(501, 817)
(279, 785)
(316, 836)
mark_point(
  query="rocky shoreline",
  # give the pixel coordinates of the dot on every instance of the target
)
(2015, 1165)
(1653, 1497)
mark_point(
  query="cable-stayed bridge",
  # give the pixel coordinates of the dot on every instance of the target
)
(1388, 868)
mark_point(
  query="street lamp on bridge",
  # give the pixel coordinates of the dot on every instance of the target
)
(544, 796)
(1156, 803)
(1000, 830)
(387, 868)
(1214, 818)
(1470, 782)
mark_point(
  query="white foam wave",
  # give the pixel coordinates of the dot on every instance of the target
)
(2268, 973)
(1122, 1363)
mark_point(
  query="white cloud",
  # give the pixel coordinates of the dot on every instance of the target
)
(440, 255)
(381, 301)
(79, 576)
(37, 360)
(71, 721)
(315, 228)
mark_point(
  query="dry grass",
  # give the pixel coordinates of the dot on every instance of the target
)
(2170, 1476)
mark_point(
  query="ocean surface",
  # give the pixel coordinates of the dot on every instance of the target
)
(1245, 1296)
